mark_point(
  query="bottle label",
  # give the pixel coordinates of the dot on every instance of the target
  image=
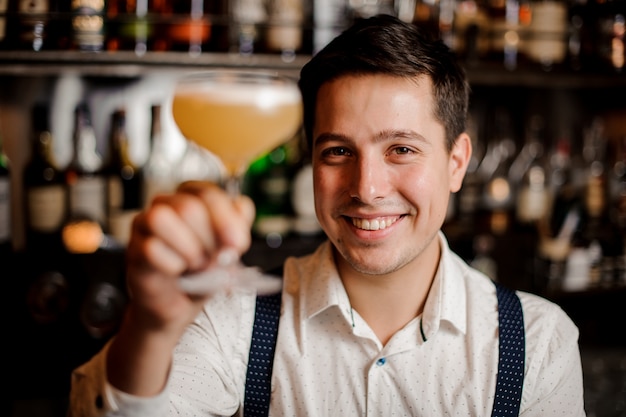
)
(548, 32)
(88, 24)
(46, 208)
(5, 209)
(531, 204)
(87, 197)
(284, 32)
(116, 193)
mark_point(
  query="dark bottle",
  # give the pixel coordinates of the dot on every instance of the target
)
(189, 29)
(529, 181)
(125, 181)
(471, 34)
(268, 183)
(4, 8)
(600, 234)
(44, 190)
(610, 35)
(85, 179)
(5, 204)
(426, 17)
(30, 27)
(505, 34)
(128, 27)
(528, 175)
(497, 195)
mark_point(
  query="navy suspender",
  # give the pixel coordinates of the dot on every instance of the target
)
(261, 357)
(511, 353)
(509, 381)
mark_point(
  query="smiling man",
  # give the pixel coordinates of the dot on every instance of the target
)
(383, 319)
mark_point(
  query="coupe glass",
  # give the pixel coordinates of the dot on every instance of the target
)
(237, 115)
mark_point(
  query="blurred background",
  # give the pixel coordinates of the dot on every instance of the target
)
(87, 139)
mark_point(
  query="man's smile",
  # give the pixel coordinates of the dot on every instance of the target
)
(378, 223)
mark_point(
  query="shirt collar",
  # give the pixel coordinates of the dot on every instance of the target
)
(446, 300)
(317, 276)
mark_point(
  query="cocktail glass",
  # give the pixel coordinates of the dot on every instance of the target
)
(237, 115)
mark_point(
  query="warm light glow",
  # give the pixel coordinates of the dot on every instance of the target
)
(82, 236)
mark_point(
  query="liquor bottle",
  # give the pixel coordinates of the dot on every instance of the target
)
(610, 35)
(128, 27)
(125, 180)
(330, 17)
(528, 175)
(4, 8)
(507, 19)
(284, 29)
(547, 33)
(159, 17)
(159, 175)
(5, 205)
(44, 190)
(247, 16)
(497, 194)
(59, 27)
(30, 28)
(529, 182)
(88, 25)
(580, 45)
(268, 182)
(85, 180)
(599, 234)
(426, 17)
(561, 225)
(189, 28)
(471, 31)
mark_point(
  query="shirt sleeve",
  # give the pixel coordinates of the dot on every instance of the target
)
(92, 396)
(553, 385)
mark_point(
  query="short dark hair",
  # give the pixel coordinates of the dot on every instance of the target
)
(384, 44)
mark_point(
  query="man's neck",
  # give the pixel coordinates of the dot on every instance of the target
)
(388, 302)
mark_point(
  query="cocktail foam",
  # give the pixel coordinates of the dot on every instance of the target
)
(262, 96)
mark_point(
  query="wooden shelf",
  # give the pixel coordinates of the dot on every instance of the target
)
(128, 64)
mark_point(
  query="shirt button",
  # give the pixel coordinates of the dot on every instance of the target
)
(381, 361)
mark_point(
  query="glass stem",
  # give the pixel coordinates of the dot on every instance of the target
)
(232, 185)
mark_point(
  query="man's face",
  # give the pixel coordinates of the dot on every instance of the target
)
(382, 174)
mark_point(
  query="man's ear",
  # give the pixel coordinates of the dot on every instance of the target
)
(459, 160)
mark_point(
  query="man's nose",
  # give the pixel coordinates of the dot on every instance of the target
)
(370, 180)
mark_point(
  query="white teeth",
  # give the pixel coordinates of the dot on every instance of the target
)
(374, 224)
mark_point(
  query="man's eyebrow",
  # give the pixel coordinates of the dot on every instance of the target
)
(399, 134)
(329, 137)
(385, 135)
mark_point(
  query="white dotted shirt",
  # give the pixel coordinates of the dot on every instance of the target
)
(328, 362)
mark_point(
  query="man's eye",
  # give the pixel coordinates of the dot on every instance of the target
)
(402, 150)
(337, 151)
